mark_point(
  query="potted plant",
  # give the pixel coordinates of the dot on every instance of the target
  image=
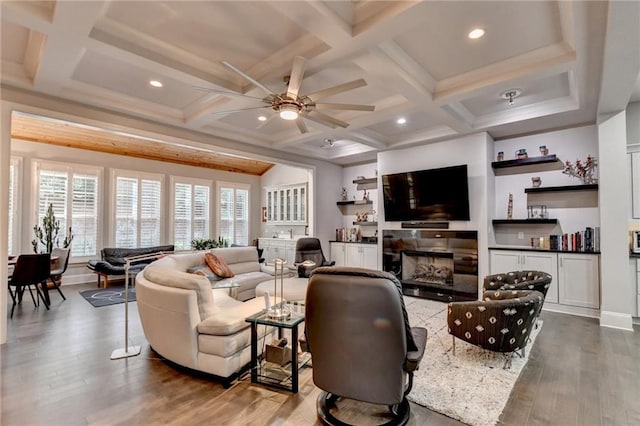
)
(47, 236)
(206, 244)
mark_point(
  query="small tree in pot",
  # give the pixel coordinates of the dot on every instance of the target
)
(47, 236)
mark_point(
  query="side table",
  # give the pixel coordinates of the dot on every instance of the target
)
(259, 373)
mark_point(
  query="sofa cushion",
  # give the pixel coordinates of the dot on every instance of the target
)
(240, 259)
(218, 265)
(205, 271)
(247, 280)
(223, 322)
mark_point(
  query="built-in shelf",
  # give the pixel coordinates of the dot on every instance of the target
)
(366, 223)
(541, 163)
(524, 221)
(354, 203)
(540, 189)
(366, 183)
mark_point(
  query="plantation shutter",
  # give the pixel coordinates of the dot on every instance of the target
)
(234, 214)
(226, 214)
(182, 216)
(201, 212)
(84, 215)
(52, 189)
(150, 213)
(126, 211)
(242, 217)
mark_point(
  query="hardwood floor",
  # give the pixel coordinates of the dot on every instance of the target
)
(56, 371)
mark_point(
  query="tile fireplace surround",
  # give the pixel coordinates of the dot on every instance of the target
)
(439, 265)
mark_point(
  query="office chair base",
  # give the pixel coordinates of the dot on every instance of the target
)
(326, 401)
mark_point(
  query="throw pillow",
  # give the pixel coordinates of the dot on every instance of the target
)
(205, 271)
(218, 266)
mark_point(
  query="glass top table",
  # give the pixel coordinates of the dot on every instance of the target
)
(276, 375)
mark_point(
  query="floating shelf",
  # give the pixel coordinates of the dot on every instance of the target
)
(354, 203)
(367, 183)
(366, 223)
(590, 187)
(524, 221)
(541, 163)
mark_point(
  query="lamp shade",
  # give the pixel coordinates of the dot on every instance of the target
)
(288, 112)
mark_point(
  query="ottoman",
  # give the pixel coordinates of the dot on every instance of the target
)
(294, 288)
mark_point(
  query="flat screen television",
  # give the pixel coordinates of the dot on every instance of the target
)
(423, 195)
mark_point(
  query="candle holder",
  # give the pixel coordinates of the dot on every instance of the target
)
(279, 311)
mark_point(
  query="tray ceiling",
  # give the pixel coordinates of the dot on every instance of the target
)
(415, 57)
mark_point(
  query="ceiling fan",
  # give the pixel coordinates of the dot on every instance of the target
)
(291, 105)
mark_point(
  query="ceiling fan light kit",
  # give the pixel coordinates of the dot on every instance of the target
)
(291, 106)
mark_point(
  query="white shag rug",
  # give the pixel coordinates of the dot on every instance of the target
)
(471, 386)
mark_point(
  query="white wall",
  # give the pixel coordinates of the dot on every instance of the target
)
(616, 287)
(633, 123)
(474, 151)
(567, 145)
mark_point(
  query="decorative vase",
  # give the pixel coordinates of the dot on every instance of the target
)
(500, 156)
(536, 181)
(543, 150)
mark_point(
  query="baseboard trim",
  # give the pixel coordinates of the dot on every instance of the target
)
(616, 320)
(571, 310)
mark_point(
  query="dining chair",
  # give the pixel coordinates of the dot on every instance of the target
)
(59, 267)
(30, 270)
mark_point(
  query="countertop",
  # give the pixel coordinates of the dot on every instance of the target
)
(353, 242)
(527, 248)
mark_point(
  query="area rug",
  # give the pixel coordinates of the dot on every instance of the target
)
(107, 296)
(471, 386)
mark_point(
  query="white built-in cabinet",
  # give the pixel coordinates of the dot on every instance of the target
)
(287, 204)
(576, 277)
(635, 184)
(355, 254)
(278, 249)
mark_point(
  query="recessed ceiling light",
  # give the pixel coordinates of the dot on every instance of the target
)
(401, 120)
(155, 83)
(476, 33)
(262, 118)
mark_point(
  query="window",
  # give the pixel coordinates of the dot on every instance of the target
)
(137, 209)
(73, 192)
(15, 172)
(191, 214)
(233, 212)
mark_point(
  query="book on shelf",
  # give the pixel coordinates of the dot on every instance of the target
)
(587, 241)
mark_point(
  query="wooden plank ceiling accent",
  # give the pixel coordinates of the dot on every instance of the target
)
(33, 128)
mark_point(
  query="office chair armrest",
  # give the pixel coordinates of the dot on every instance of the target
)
(413, 359)
(332, 263)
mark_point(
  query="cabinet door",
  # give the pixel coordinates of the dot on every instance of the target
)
(353, 255)
(504, 261)
(337, 253)
(635, 184)
(303, 204)
(579, 280)
(545, 262)
(370, 257)
(269, 206)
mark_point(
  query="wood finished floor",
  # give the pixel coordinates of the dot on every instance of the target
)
(56, 371)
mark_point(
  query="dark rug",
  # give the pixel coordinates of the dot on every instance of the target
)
(107, 296)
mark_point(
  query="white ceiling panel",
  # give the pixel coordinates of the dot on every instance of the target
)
(14, 42)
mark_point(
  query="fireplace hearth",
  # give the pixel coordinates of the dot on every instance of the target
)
(441, 265)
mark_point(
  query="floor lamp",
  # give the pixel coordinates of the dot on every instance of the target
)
(129, 351)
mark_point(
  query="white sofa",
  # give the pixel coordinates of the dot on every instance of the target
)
(193, 325)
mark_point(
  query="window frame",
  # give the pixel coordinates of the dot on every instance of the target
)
(14, 219)
(235, 186)
(115, 174)
(172, 203)
(70, 168)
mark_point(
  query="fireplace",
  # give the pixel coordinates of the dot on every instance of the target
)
(441, 265)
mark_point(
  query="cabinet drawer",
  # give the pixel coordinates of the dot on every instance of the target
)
(638, 265)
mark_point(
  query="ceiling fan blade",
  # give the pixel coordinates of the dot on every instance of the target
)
(351, 107)
(227, 93)
(301, 125)
(241, 109)
(325, 119)
(295, 79)
(324, 93)
(247, 77)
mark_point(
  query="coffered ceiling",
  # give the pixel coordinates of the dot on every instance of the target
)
(415, 57)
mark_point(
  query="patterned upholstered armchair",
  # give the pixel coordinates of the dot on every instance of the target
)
(519, 280)
(501, 322)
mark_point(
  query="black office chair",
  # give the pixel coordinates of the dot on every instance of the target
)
(309, 250)
(30, 270)
(60, 267)
(361, 343)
